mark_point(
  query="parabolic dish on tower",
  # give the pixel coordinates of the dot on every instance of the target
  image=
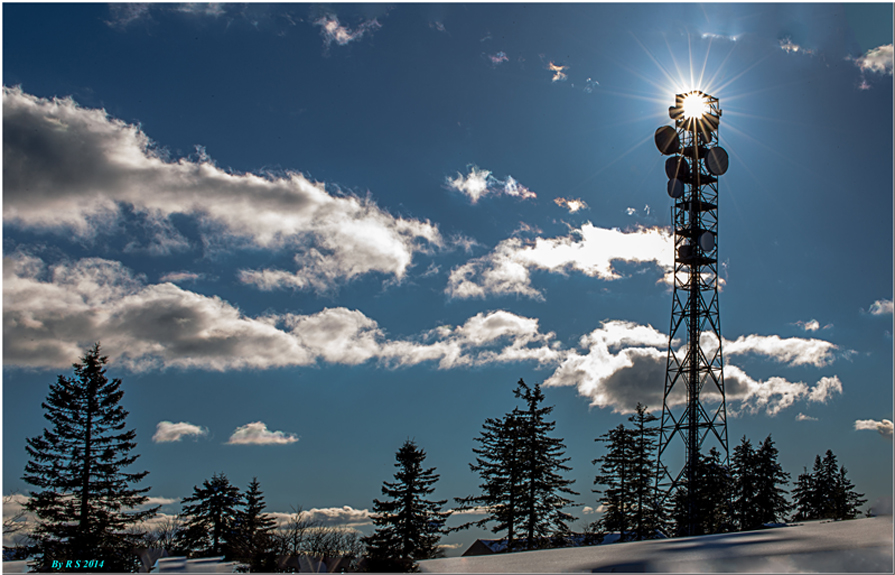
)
(675, 188)
(667, 140)
(716, 161)
(677, 167)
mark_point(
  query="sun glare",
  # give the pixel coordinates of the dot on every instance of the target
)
(695, 105)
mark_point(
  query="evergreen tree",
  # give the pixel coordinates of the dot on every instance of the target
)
(499, 465)
(846, 500)
(408, 527)
(826, 493)
(254, 528)
(79, 468)
(210, 519)
(616, 470)
(521, 487)
(543, 518)
(647, 514)
(714, 486)
(629, 475)
(804, 496)
(745, 486)
(771, 504)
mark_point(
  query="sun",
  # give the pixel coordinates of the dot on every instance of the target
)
(695, 105)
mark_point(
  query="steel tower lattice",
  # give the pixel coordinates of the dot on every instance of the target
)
(694, 405)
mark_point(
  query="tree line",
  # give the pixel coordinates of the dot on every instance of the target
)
(84, 498)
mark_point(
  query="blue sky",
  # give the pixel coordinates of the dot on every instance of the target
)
(305, 233)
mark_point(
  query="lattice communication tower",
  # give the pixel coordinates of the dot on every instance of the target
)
(695, 163)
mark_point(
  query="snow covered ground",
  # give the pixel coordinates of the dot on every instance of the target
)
(861, 545)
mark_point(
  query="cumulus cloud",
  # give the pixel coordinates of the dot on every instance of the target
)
(790, 350)
(573, 205)
(50, 313)
(884, 427)
(803, 417)
(478, 183)
(881, 307)
(878, 60)
(589, 250)
(558, 74)
(624, 363)
(333, 31)
(72, 168)
(256, 433)
(167, 432)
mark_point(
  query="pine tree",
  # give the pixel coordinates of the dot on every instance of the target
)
(210, 519)
(804, 496)
(78, 467)
(408, 527)
(714, 486)
(846, 500)
(826, 493)
(543, 518)
(647, 515)
(616, 470)
(253, 531)
(771, 504)
(745, 486)
(499, 465)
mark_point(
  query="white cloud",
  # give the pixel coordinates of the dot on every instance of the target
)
(333, 31)
(256, 433)
(498, 58)
(882, 307)
(153, 501)
(479, 183)
(791, 350)
(344, 516)
(884, 427)
(51, 313)
(812, 325)
(182, 276)
(803, 417)
(879, 60)
(573, 205)
(588, 510)
(590, 250)
(824, 389)
(624, 363)
(71, 168)
(790, 47)
(214, 9)
(167, 432)
(558, 74)
(123, 14)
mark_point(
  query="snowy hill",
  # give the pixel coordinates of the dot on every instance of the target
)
(861, 545)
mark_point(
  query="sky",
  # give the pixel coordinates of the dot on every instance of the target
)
(304, 234)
